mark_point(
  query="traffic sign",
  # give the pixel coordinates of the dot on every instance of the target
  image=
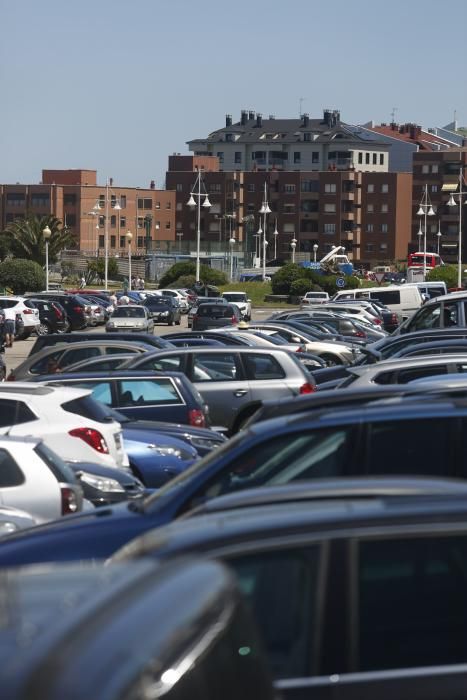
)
(340, 282)
(379, 277)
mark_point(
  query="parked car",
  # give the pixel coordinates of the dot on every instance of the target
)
(437, 347)
(402, 299)
(387, 573)
(29, 315)
(242, 301)
(182, 297)
(405, 369)
(157, 461)
(35, 479)
(52, 316)
(207, 315)
(130, 318)
(105, 485)
(68, 420)
(61, 355)
(47, 341)
(163, 309)
(14, 519)
(140, 394)
(233, 381)
(314, 298)
(181, 628)
(76, 307)
(202, 300)
(445, 311)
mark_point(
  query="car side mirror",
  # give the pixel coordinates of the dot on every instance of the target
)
(296, 339)
(248, 301)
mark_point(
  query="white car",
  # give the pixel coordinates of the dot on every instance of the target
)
(29, 315)
(130, 318)
(34, 478)
(314, 298)
(14, 519)
(241, 300)
(69, 420)
(181, 296)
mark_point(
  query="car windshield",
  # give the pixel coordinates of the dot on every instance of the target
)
(163, 301)
(234, 296)
(128, 312)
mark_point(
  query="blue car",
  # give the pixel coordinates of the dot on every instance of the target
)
(337, 442)
(158, 459)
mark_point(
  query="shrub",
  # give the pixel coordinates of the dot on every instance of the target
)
(21, 275)
(284, 277)
(300, 287)
(444, 273)
(208, 275)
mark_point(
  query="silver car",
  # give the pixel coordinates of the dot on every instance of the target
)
(404, 370)
(130, 318)
(233, 381)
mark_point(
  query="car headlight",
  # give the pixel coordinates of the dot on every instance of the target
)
(111, 324)
(164, 313)
(206, 443)
(101, 483)
(169, 451)
(7, 528)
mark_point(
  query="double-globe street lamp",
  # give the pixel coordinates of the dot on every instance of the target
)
(129, 237)
(232, 242)
(97, 207)
(46, 233)
(293, 245)
(265, 210)
(425, 209)
(452, 203)
(315, 250)
(196, 192)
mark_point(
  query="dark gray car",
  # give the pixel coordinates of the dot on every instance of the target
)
(208, 316)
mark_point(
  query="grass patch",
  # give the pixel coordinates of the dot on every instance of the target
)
(256, 291)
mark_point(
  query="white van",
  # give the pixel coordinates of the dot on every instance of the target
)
(402, 299)
(431, 289)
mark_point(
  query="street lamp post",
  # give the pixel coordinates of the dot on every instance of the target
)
(232, 242)
(258, 236)
(129, 237)
(275, 233)
(46, 233)
(452, 203)
(438, 237)
(265, 210)
(425, 209)
(192, 203)
(293, 245)
(315, 250)
(180, 236)
(97, 208)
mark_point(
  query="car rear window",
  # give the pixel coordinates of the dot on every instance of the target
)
(88, 407)
(216, 311)
(144, 392)
(13, 412)
(61, 471)
(10, 473)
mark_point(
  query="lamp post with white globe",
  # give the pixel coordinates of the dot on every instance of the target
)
(129, 237)
(46, 233)
(293, 245)
(196, 192)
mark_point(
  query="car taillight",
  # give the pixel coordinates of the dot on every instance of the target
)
(307, 388)
(78, 309)
(196, 418)
(69, 500)
(92, 437)
(11, 378)
(299, 349)
(360, 334)
(233, 321)
(28, 311)
(378, 321)
(57, 312)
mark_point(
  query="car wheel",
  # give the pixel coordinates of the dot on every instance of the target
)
(170, 323)
(43, 329)
(178, 322)
(24, 335)
(331, 360)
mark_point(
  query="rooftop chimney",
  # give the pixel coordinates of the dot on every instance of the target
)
(259, 121)
(244, 117)
(152, 186)
(306, 119)
(228, 120)
(251, 115)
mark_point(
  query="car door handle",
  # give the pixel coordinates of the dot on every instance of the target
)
(240, 392)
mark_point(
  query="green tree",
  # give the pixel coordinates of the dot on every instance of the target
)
(300, 287)
(21, 275)
(24, 239)
(208, 275)
(284, 277)
(444, 273)
(96, 270)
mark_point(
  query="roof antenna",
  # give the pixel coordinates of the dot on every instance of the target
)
(301, 100)
(393, 115)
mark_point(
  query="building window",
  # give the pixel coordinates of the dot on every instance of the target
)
(310, 185)
(383, 246)
(122, 241)
(289, 209)
(167, 224)
(15, 200)
(425, 169)
(251, 187)
(381, 158)
(370, 208)
(113, 221)
(144, 203)
(113, 241)
(122, 221)
(229, 137)
(369, 247)
(157, 205)
(168, 205)
(384, 209)
(434, 188)
(297, 157)
(375, 158)
(140, 242)
(315, 157)
(360, 157)
(220, 155)
(101, 241)
(69, 199)
(289, 228)
(307, 136)
(101, 221)
(123, 201)
(215, 187)
(238, 157)
(367, 159)
(179, 187)
(140, 222)
(329, 228)
(330, 208)
(434, 168)
(370, 188)
(369, 228)
(330, 188)
(179, 206)
(384, 188)
(157, 225)
(289, 189)
(40, 200)
(384, 228)
(70, 220)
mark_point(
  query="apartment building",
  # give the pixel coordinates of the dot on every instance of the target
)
(304, 144)
(369, 213)
(437, 173)
(75, 197)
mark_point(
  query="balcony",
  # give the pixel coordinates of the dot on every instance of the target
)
(340, 163)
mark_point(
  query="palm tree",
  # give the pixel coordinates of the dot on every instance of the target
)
(23, 238)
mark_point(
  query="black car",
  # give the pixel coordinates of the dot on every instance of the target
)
(74, 306)
(356, 598)
(48, 340)
(52, 316)
(209, 315)
(163, 309)
(178, 632)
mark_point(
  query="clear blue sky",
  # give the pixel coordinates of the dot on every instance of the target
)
(118, 86)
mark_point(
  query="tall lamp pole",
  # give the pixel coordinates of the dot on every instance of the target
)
(438, 237)
(232, 242)
(315, 250)
(97, 208)
(293, 245)
(275, 233)
(265, 210)
(46, 233)
(452, 203)
(192, 203)
(425, 209)
(129, 237)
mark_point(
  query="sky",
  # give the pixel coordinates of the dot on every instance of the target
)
(118, 86)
